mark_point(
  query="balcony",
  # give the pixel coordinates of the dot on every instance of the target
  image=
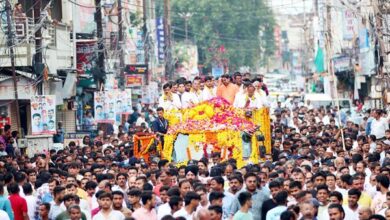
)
(57, 50)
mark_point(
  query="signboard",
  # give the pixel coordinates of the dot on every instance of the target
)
(38, 144)
(133, 80)
(4, 121)
(217, 71)
(160, 39)
(75, 137)
(85, 55)
(350, 25)
(43, 114)
(341, 64)
(136, 69)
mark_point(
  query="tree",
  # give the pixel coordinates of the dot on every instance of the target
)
(226, 31)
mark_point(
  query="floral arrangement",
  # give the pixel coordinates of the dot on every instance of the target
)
(214, 122)
(211, 116)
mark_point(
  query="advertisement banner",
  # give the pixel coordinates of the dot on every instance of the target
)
(109, 105)
(136, 69)
(43, 114)
(160, 40)
(133, 80)
(350, 25)
(104, 103)
(188, 60)
(85, 54)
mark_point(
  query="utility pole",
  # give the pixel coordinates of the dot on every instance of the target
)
(74, 15)
(168, 45)
(120, 44)
(329, 54)
(146, 38)
(38, 42)
(186, 17)
(10, 43)
(99, 34)
(120, 36)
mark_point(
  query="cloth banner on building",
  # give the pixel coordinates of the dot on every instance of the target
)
(85, 55)
(43, 114)
(350, 25)
(109, 105)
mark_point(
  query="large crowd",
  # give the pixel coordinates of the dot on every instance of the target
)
(320, 167)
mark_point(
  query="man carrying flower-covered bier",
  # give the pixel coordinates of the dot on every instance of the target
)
(169, 101)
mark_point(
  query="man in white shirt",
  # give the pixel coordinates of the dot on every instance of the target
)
(169, 101)
(352, 209)
(191, 202)
(209, 90)
(106, 211)
(4, 215)
(192, 97)
(30, 199)
(248, 99)
(196, 91)
(379, 125)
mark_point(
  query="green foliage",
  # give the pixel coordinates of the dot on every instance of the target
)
(136, 19)
(234, 25)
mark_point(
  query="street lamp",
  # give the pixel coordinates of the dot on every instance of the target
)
(186, 16)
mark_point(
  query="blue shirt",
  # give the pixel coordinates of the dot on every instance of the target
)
(228, 201)
(5, 205)
(258, 198)
(274, 214)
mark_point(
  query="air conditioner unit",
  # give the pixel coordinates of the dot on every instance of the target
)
(3, 111)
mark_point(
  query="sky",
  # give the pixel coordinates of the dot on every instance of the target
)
(291, 6)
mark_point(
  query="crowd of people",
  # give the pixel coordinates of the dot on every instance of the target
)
(319, 168)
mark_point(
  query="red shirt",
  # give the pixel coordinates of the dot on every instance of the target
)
(19, 206)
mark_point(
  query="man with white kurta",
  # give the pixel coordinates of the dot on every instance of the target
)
(209, 90)
(169, 101)
(193, 97)
(196, 91)
(249, 99)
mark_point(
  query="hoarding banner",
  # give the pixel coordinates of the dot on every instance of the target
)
(109, 105)
(136, 69)
(85, 53)
(43, 114)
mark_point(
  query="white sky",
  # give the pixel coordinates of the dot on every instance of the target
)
(291, 6)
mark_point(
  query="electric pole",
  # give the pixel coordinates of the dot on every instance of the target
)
(10, 43)
(146, 38)
(38, 42)
(121, 45)
(99, 34)
(167, 36)
(120, 36)
(186, 17)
